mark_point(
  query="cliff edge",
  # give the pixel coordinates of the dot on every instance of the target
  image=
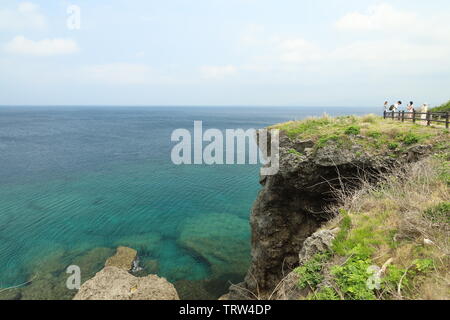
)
(325, 163)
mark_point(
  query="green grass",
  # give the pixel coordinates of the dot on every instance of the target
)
(295, 152)
(311, 272)
(358, 243)
(393, 145)
(362, 239)
(325, 293)
(372, 133)
(439, 213)
(353, 130)
(352, 278)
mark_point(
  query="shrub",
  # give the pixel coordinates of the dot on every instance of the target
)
(324, 140)
(406, 278)
(374, 134)
(424, 265)
(311, 272)
(410, 138)
(393, 277)
(393, 146)
(353, 130)
(352, 279)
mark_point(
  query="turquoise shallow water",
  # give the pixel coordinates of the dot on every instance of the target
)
(73, 180)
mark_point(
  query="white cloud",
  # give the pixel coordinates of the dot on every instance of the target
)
(410, 43)
(379, 17)
(298, 50)
(46, 47)
(218, 72)
(252, 34)
(391, 51)
(25, 16)
(394, 23)
(119, 74)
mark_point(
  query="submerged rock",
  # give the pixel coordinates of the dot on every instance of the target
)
(47, 277)
(146, 243)
(125, 258)
(113, 283)
(221, 240)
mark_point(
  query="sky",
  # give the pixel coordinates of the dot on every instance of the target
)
(224, 52)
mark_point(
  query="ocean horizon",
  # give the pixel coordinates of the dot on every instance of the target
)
(78, 181)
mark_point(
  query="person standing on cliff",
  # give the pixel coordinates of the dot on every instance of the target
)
(386, 106)
(397, 106)
(410, 109)
(424, 110)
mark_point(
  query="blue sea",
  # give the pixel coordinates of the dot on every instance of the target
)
(76, 182)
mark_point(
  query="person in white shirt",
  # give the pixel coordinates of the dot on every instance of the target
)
(397, 106)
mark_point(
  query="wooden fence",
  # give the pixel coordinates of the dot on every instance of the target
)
(424, 117)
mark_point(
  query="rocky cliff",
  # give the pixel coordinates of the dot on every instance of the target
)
(320, 159)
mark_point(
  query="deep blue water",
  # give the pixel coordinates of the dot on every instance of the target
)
(73, 179)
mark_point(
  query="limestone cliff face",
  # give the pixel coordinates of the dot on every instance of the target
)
(292, 204)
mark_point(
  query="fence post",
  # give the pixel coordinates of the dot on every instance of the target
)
(403, 116)
(384, 115)
(428, 118)
(393, 113)
(447, 119)
(414, 115)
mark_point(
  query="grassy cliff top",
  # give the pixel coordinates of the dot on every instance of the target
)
(371, 132)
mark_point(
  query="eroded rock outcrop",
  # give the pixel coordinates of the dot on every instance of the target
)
(113, 283)
(125, 258)
(319, 242)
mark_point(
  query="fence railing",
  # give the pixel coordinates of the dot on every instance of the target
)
(424, 117)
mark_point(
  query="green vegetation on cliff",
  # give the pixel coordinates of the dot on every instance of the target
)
(393, 239)
(373, 133)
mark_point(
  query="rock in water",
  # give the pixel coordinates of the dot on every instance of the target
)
(221, 239)
(113, 283)
(125, 258)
